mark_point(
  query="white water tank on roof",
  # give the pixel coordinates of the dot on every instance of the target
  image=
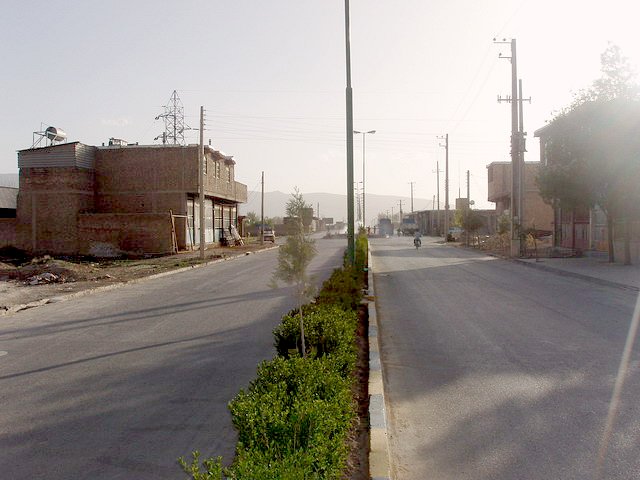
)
(55, 134)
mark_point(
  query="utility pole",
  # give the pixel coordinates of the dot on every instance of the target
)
(262, 212)
(201, 182)
(517, 164)
(521, 148)
(349, 98)
(357, 201)
(446, 186)
(364, 134)
(468, 189)
(412, 183)
(433, 208)
(437, 172)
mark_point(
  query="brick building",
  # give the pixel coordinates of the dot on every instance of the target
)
(585, 229)
(76, 199)
(537, 213)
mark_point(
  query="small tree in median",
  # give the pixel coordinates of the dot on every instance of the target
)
(295, 256)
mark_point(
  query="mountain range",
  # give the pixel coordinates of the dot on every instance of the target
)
(332, 205)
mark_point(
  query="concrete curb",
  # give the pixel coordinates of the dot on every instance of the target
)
(581, 276)
(89, 291)
(379, 462)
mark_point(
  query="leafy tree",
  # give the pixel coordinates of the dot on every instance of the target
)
(295, 256)
(469, 220)
(252, 219)
(504, 224)
(593, 148)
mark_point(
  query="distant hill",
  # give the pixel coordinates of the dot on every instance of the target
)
(331, 205)
(9, 180)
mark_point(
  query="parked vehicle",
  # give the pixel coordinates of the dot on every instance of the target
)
(269, 234)
(385, 228)
(409, 224)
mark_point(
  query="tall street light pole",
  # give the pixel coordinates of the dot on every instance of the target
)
(364, 134)
(349, 98)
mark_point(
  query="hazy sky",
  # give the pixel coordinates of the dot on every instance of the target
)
(271, 76)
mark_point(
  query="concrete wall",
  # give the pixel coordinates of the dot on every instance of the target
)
(104, 234)
(8, 231)
(48, 204)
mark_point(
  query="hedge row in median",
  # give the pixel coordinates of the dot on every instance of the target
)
(294, 419)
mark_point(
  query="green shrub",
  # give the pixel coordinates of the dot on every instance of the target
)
(212, 467)
(329, 331)
(295, 408)
(342, 288)
(361, 254)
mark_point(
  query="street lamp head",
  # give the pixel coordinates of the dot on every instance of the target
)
(371, 131)
(356, 131)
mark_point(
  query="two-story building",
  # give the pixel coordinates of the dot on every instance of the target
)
(537, 213)
(77, 199)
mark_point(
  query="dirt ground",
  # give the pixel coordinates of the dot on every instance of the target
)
(29, 282)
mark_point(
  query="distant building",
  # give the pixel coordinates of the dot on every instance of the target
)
(8, 202)
(537, 213)
(76, 199)
(8, 210)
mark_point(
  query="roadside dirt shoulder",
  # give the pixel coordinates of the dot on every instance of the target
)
(42, 280)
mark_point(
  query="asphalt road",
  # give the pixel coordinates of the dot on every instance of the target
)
(497, 371)
(118, 384)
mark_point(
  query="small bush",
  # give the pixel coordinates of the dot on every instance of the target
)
(212, 467)
(342, 288)
(295, 408)
(329, 330)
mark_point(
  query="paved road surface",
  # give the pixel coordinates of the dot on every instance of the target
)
(498, 371)
(118, 384)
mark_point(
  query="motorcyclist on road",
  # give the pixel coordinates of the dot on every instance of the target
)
(416, 239)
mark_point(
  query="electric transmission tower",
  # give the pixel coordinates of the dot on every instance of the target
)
(173, 118)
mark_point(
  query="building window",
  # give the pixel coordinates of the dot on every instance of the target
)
(228, 174)
(217, 167)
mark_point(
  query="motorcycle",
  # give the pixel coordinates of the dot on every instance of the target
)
(417, 242)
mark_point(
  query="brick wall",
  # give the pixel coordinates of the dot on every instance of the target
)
(133, 234)
(8, 231)
(138, 173)
(48, 204)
